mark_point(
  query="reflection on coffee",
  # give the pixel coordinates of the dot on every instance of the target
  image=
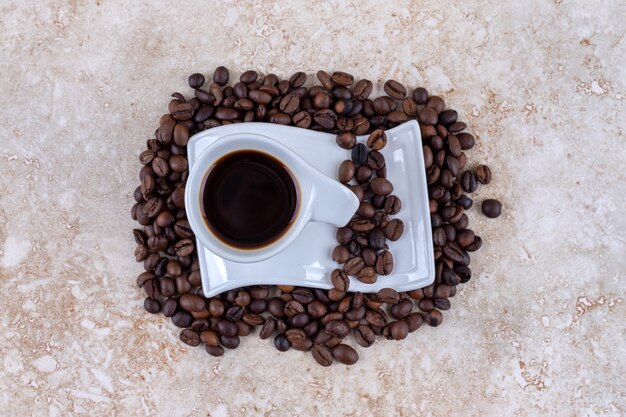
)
(249, 199)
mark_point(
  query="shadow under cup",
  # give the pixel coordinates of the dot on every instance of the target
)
(249, 199)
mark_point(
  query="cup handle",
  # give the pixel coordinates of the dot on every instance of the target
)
(333, 202)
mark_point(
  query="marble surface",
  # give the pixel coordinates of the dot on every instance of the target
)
(539, 330)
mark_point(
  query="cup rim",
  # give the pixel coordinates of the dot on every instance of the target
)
(195, 182)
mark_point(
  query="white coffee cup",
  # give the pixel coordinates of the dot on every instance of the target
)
(321, 198)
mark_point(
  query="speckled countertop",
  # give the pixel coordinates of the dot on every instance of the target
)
(539, 330)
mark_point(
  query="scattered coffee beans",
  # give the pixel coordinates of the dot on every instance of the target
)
(305, 319)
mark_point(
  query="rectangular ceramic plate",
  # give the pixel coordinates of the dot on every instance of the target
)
(307, 261)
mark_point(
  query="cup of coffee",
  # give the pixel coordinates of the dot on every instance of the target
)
(248, 197)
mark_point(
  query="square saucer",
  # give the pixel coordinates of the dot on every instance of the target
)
(307, 261)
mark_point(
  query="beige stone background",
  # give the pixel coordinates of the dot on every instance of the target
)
(539, 330)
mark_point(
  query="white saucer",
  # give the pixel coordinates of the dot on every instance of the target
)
(307, 261)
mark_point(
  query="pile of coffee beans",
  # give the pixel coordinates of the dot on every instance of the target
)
(363, 248)
(299, 318)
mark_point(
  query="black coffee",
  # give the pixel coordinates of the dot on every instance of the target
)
(249, 199)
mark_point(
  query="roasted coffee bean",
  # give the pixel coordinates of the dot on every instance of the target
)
(337, 328)
(433, 318)
(345, 354)
(466, 140)
(388, 295)
(474, 246)
(361, 125)
(184, 247)
(300, 320)
(248, 77)
(354, 265)
(160, 166)
(293, 308)
(326, 118)
(369, 256)
(364, 335)
(442, 303)
(394, 229)
(302, 119)
(376, 318)
(454, 145)
(469, 182)
(361, 225)
(366, 210)
(426, 304)
(420, 95)
(381, 107)
(182, 319)
(409, 106)
(392, 204)
(221, 75)
(340, 280)
(322, 354)
(230, 342)
(344, 235)
(151, 305)
(196, 80)
(214, 350)
(447, 117)
(340, 254)
(465, 238)
(483, 174)
(367, 275)
(491, 208)
(377, 238)
(362, 89)
(342, 78)
(317, 309)
(363, 174)
(394, 89)
(302, 295)
(268, 329)
(427, 116)
(359, 154)
(190, 337)
(381, 186)
(384, 263)
(402, 309)
(375, 161)
(346, 140)
(226, 328)
(295, 335)
(209, 337)
(377, 139)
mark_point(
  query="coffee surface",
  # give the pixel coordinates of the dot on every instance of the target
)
(249, 199)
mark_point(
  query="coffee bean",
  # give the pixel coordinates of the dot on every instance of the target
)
(359, 154)
(381, 186)
(248, 77)
(346, 140)
(326, 118)
(345, 354)
(447, 117)
(160, 167)
(190, 337)
(409, 106)
(178, 163)
(317, 309)
(483, 174)
(466, 140)
(362, 89)
(381, 107)
(377, 139)
(325, 80)
(469, 182)
(388, 295)
(474, 246)
(196, 80)
(427, 116)
(392, 204)
(454, 145)
(342, 78)
(337, 328)
(377, 238)
(340, 280)
(214, 350)
(182, 319)
(436, 103)
(289, 103)
(322, 355)
(221, 75)
(151, 305)
(354, 265)
(402, 309)
(301, 119)
(376, 318)
(364, 335)
(344, 235)
(268, 329)
(433, 318)
(491, 208)
(184, 247)
(230, 342)
(361, 225)
(192, 302)
(394, 89)
(465, 238)
(420, 95)
(295, 335)
(340, 254)
(394, 229)
(367, 275)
